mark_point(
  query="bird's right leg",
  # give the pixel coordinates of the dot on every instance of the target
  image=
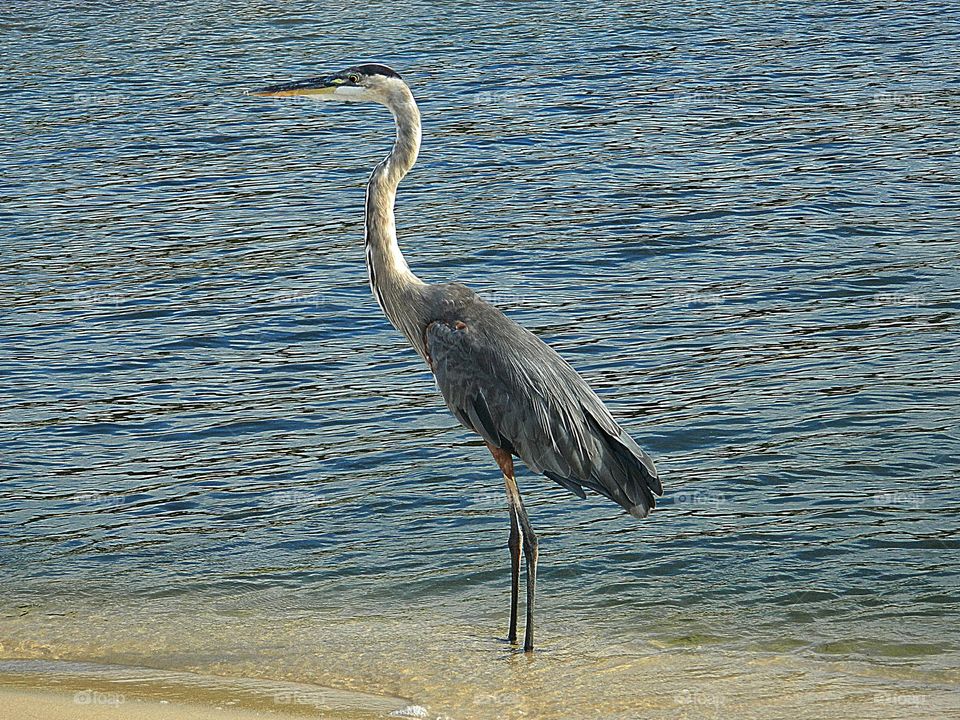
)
(514, 544)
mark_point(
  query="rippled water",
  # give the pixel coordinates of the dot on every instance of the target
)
(739, 223)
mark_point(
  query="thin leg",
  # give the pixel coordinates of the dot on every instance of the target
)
(530, 553)
(520, 534)
(514, 545)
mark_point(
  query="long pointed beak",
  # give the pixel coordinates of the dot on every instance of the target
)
(311, 86)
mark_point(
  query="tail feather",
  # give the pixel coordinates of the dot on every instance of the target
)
(622, 472)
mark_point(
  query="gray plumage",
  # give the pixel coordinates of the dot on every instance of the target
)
(498, 379)
(517, 393)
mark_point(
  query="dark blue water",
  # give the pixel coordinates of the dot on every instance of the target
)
(740, 224)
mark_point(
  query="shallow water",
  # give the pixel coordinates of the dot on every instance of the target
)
(740, 224)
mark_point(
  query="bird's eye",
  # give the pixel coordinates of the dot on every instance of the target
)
(354, 78)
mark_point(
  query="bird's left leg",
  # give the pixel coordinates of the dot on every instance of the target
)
(505, 461)
(518, 515)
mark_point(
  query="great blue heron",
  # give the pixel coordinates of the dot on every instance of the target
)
(497, 378)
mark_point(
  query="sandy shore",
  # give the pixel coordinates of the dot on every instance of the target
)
(40, 705)
(42, 690)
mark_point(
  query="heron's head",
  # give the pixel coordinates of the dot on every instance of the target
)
(360, 83)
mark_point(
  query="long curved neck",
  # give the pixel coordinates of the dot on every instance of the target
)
(390, 276)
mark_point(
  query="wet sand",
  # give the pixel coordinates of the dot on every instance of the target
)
(47, 690)
(39, 705)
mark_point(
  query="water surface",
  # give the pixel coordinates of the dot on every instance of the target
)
(739, 223)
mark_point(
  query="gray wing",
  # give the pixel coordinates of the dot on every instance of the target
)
(516, 392)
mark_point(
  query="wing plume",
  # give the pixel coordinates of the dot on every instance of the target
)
(517, 393)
